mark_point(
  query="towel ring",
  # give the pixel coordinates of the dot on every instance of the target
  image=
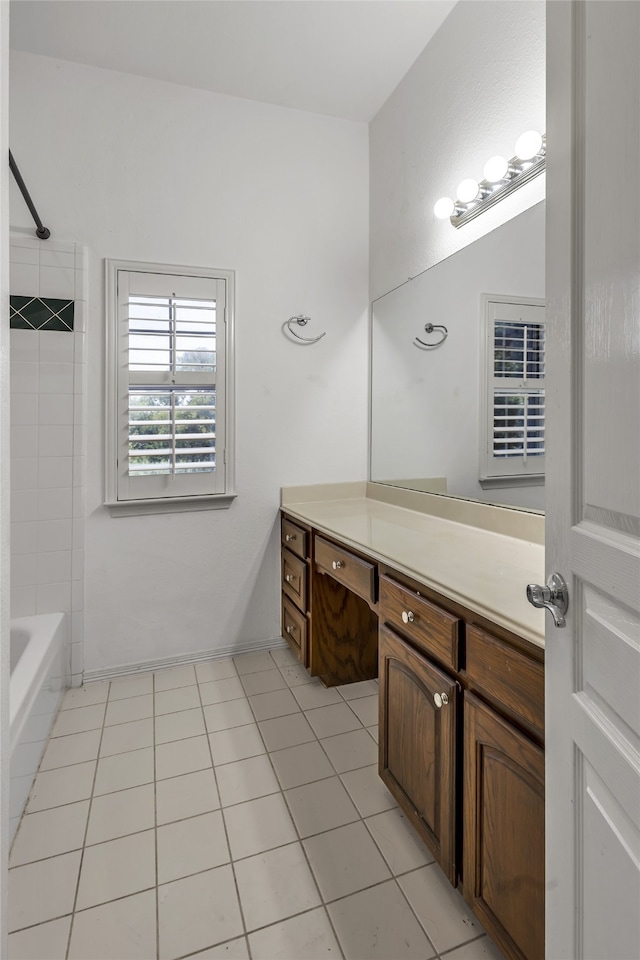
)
(429, 328)
(302, 321)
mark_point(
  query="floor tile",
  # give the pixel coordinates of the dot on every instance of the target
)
(118, 814)
(282, 732)
(117, 868)
(378, 924)
(278, 703)
(191, 846)
(126, 711)
(186, 796)
(135, 686)
(127, 736)
(42, 891)
(306, 937)
(366, 709)
(329, 721)
(301, 764)
(398, 842)
(373, 732)
(180, 726)
(238, 743)
(182, 756)
(198, 912)
(367, 790)
(482, 949)
(439, 907)
(78, 721)
(275, 885)
(123, 928)
(246, 780)
(294, 674)
(47, 940)
(174, 677)
(86, 696)
(219, 691)
(215, 670)
(124, 770)
(320, 806)
(284, 657)
(345, 860)
(223, 716)
(354, 691)
(76, 748)
(231, 950)
(349, 751)
(259, 825)
(53, 788)
(263, 682)
(253, 662)
(172, 701)
(49, 833)
(311, 695)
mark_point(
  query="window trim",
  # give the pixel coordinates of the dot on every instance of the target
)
(119, 507)
(490, 476)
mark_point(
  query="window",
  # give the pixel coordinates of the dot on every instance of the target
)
(512, 419)
(169, 377)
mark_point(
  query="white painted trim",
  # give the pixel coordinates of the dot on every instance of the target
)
(164, 663)
(143, 508)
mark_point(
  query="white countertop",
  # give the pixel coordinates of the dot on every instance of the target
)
(481, 569)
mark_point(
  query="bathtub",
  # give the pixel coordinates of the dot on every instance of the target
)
(39, 678)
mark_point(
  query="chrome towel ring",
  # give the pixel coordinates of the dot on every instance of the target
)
(429, 328)
(301, 321)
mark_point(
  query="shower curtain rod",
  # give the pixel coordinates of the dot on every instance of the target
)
(43, 233)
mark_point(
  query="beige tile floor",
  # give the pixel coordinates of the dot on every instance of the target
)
(231, 809)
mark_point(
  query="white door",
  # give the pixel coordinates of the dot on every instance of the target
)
(593, 479)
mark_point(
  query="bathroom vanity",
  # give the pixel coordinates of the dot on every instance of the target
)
(429, 594)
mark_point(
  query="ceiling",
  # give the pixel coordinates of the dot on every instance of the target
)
(337, 57)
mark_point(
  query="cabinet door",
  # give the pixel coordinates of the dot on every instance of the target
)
(504, 831)
(418, 744)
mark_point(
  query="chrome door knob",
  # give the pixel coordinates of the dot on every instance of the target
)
(440, 700)
(408, 616)
(337, 564)
(554, 597)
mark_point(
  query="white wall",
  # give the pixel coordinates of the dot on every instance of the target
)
(476, 87)
(140, 169)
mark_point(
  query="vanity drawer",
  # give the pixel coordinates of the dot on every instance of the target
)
(294, 579)
(356, 574)
(428, 627)
(294, 629)
(294, 538)
(507, 676)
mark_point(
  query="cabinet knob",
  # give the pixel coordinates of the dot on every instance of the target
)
(337, 564)
(408, 616)
(289, 537)
(289, 628)
(288, 577)
(440, 700)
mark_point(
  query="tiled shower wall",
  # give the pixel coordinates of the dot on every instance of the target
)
(48, 437)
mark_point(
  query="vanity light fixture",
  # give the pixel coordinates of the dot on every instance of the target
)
(501, 177)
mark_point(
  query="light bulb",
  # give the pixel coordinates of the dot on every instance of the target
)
(495, 169)
(467, 191)
(528, 145)
(443, 208)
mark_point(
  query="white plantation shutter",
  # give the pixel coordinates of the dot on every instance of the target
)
(514, 405)
(171, 347)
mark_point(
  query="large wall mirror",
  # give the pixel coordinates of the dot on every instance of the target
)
(465, 416)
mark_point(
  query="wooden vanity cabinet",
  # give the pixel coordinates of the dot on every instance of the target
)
(294, 558)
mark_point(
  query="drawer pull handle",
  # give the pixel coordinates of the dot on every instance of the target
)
(289, 537)
(337, 564)
(408, 616)
(440, 700)
(288, 577)
(290, 629)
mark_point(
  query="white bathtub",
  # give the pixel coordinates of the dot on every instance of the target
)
(39, 677)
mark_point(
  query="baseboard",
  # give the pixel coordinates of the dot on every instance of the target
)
(145, 666)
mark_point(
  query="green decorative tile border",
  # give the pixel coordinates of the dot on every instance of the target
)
(40, 313)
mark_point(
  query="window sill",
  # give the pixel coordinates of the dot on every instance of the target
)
(517, 480)
(141, 508)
